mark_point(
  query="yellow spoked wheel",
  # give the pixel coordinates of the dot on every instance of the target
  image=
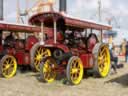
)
(74, 70)
(8, 66)
(103, 64)
(104, 61)
(37, 54)
(48, 72)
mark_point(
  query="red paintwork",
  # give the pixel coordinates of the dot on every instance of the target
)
(50, 43)
(20, 57)
(31, 40)
(19, 45)
(60, 37)
(23, 58)
(87, 60)
(19, 28)
(10, 51)
(1, 48)
(27, 58)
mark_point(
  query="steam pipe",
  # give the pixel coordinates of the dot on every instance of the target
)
(63, 6)
(1, 9)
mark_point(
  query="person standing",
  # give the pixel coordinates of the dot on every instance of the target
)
(126, 54)
(114, 59)
(123, 49)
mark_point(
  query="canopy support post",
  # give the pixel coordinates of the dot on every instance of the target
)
(55, 31)
(101, 35)
(42, 34)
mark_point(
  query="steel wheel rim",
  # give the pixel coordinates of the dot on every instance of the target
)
(76, 71)
(104, 61)
(39, 54)
(49, 72)
(9, 67)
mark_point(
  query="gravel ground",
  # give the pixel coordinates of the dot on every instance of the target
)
(28, 84)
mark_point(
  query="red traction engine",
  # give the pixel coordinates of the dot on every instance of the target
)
(17, 44)
(73, 47)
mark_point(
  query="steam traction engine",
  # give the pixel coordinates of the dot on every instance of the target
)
(15, 50)
(72, 47)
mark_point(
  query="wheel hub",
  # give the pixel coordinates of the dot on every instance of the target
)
(7, 66)
(39, 57)
(74, 70)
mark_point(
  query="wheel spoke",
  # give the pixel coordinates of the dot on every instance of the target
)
(100, 62)
(40, 49)
(38, 52)
(44, 52)
(4, 69)
(46, 67)
(102, 52)
(7, 62)
(11, 62)
(45, 75)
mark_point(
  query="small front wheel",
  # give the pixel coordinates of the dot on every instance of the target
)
(74, 71)
(47, 70)
(8, 66)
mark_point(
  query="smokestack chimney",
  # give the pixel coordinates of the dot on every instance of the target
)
(1, 9)
(63, 6)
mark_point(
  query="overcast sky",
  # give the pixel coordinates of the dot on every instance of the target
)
(85, 9)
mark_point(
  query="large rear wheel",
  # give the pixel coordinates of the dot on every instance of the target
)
(74, 70)
(8, 66)
(102, 60)
(37, 54)
(47, 70)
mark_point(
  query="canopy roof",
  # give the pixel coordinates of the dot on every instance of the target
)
(18, 27)
(49, 17)
(69, 21)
